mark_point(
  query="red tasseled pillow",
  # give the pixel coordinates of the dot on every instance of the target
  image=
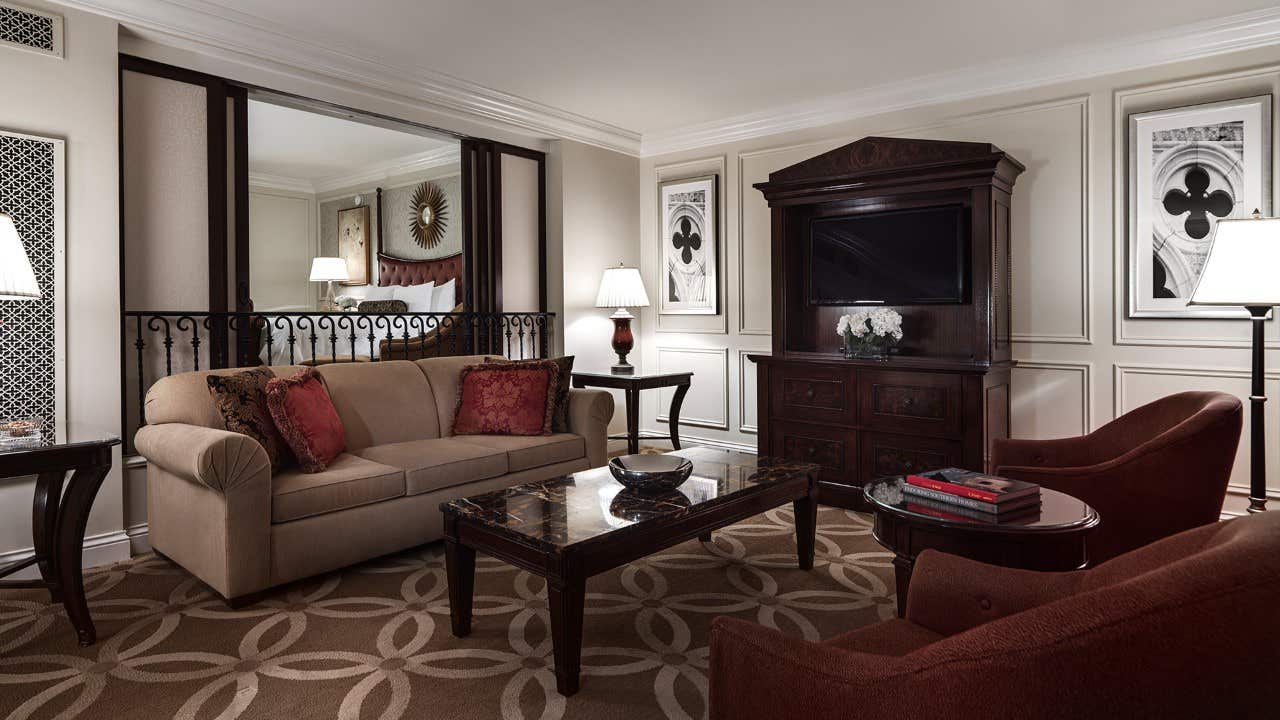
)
(506, 399)
(306, 419)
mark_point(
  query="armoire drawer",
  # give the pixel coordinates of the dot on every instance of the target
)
(812, 394)
(834, 449)
(927, 403)
(884, 454)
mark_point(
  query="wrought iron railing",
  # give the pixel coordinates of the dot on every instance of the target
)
(161, 343)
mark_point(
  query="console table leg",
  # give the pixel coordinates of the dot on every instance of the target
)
(806, 513)
(460, 567)
(44, 527)
(565, 599)
(677, 401)
(902, 566)
(72, 517)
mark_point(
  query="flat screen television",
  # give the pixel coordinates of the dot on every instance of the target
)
(900, 257)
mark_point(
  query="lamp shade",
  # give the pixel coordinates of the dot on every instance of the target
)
(17, 279)
(1241, 267)
(621, 287)
(329, 268)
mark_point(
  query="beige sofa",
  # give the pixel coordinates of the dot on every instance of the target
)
(215, 508)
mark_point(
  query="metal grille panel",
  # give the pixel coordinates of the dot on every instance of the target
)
(30, 29)
(29, 175)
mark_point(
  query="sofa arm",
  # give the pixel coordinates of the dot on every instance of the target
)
(589, 414)
(951, 594)
(219, 459)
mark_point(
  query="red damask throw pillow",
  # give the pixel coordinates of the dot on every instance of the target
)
(506, 399)
(306, 419)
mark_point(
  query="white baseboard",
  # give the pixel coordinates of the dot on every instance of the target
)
(139, 539)
(104, 549)
(707, 442)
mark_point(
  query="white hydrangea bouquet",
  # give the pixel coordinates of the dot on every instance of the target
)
(870, 333)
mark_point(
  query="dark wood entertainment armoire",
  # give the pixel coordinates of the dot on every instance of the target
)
(944, 395)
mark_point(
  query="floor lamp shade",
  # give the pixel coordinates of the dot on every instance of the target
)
(17, 279)
(1241, 270)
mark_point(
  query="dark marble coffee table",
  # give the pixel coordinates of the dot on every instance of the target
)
(570, 528)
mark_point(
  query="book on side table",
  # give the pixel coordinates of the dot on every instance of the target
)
(974, 491)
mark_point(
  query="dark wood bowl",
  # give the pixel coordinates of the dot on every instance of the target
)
(651, 474)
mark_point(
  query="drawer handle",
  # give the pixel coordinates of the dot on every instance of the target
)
(809, 393)
(908, 465)
(908, 402)
(812, 451)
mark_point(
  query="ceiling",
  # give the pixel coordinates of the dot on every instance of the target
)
(310, 147)
(653, 66)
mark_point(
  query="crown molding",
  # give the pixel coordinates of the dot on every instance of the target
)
(1233, 33)
(266, 181)
(217, 31)
(407, 165)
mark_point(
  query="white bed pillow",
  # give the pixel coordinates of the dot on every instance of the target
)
(377, 292)
(442, 297)
(417, 297)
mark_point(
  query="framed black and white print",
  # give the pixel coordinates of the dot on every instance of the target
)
(690, 246)
(1188, 168)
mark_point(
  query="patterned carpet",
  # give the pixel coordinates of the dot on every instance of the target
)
(373, 641)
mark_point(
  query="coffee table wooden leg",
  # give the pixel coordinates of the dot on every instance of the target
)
(565, 600)
(460, 566)
(902, 566)
(72, 517)
(806, 513)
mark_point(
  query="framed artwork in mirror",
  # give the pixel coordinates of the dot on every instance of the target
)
(689, 283)
(1188, 168)
(353, 243)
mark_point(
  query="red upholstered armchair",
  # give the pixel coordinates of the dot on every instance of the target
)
(1187, 627)
(1153, 472)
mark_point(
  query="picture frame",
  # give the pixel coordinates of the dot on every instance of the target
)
(1187, 168)
(689, 240)
(353, 243)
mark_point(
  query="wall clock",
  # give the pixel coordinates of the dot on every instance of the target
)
(429, 215)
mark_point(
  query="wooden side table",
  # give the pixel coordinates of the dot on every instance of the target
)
(631, 385)
(58, 519)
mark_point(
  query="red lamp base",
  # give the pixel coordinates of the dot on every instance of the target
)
(623, 341)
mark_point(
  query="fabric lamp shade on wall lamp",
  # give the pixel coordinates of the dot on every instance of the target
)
(1244, 256)
(17, 279)
(622, 287)
(329, 270)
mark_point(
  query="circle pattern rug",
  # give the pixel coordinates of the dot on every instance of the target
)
(373, 641)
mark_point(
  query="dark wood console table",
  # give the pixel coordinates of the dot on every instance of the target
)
(631, 385)
(58, 518)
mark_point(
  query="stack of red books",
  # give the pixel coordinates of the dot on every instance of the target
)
(988, 496)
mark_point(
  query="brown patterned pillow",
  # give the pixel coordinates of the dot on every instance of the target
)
(241, 399)
(382, 306)
(564, 372)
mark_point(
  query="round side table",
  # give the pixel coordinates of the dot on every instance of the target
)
(1051, 540)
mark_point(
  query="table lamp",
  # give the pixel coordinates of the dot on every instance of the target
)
(17, 279)
(329, 270)
(621, 288)
(1240, 270)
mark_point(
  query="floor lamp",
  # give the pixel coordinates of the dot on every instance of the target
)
(1241, 270)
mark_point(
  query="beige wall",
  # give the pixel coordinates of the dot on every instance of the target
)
(1081, 362)
(519, 233)
(592, 213)
(282, 242)
(75, 99)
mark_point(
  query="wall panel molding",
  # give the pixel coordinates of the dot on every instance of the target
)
(743, 386)
(1085, 369)
(699, 383)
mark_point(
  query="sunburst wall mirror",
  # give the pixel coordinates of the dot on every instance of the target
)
(429, 215)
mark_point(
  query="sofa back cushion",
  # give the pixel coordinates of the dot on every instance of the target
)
(382, 402)
(442, 373)
(185, 398)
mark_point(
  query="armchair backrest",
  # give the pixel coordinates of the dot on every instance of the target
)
(1162, 422)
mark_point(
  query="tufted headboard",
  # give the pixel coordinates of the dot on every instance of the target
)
(398, 271)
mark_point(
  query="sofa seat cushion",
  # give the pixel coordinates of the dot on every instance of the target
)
(439, 463)
(526, 452)
(347, 482)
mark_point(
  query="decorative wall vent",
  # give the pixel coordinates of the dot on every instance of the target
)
(27, 29)
(32, 344)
